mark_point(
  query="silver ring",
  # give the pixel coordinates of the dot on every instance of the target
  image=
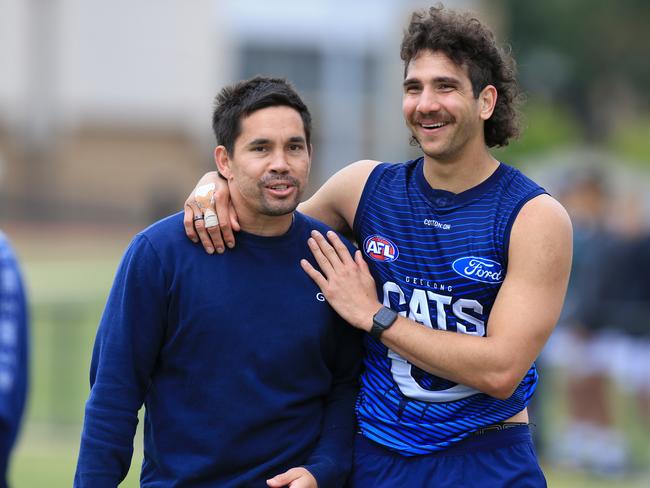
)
(198, 217)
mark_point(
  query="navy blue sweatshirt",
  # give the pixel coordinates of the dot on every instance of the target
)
(244, 370)
(13, 353)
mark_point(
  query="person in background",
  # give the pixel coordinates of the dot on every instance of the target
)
(13, 353)
(626, 306)
(582, 346)
(247, 375)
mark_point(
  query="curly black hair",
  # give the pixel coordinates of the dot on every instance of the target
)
(468, 43)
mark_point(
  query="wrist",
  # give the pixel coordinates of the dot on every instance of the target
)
(365, 320)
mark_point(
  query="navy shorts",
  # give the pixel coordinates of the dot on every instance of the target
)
(496, 459)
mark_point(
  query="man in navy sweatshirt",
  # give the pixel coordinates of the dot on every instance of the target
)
(247, 375)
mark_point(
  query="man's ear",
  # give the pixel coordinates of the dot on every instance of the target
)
(488, 100)
(222, 160)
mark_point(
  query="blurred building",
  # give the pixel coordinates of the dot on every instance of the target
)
(105, 106)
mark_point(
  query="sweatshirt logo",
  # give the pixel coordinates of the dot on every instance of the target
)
(380, 249)
(479, 269)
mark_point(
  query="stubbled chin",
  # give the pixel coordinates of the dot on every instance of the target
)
(281, 209)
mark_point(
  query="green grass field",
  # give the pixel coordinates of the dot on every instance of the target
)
(68, 274)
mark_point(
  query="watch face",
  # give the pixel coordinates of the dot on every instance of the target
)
(382, 320)
(385, 316)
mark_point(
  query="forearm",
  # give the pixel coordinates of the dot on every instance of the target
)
(110, 421)
(482, 363)
(331, 459)
(106, 445)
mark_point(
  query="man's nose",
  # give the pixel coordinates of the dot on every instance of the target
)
(428, 102)
(279, 162)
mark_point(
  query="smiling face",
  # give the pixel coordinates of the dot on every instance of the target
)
(269, 166)
(441, 110)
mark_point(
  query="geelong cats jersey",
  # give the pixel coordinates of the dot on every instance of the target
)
(438, 258)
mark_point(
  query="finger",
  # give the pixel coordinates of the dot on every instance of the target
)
(341, 249)
(190, 210)
(285, 478)
(314, 274)
(214, 230)
(302, 482)
(326, 248)
(206, 241)
(322, 260)
(224, 227)
(214, 235)
(234, 218)
(222, 233)
(358, 258)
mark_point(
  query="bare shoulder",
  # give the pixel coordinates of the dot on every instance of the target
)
(335, 203)
(544, 214)
(542, 236)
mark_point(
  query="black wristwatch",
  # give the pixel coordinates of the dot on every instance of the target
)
(381, 321)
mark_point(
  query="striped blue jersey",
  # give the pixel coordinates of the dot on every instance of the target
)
(438, 258)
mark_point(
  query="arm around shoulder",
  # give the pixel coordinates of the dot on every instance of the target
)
(335, 203)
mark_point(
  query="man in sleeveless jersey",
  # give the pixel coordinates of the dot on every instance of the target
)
(461, 275)
(248, 376)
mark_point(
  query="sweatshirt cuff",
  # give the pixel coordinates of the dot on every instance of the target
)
(328, 473)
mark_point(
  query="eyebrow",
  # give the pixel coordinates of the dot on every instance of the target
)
(259, 142)
(438, 79)
(263, 142)
(297, 139)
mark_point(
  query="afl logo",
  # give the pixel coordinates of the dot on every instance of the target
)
(380, 249)
(479, 269)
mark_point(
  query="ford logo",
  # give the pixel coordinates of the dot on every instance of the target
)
(479, 269)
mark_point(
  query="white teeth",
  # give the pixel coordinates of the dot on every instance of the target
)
(433, 126)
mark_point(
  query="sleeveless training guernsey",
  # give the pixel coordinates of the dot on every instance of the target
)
(438, 258)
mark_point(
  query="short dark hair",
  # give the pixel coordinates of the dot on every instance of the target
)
(245, 97)
(468, 43)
